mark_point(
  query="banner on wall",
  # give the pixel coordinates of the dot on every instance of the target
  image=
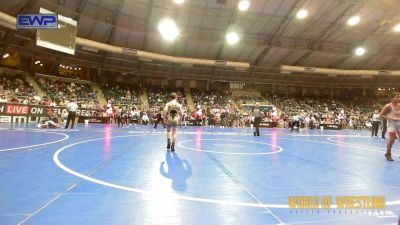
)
(34, 113)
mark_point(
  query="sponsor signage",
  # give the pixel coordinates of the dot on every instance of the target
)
(37, 21)
(28, 113)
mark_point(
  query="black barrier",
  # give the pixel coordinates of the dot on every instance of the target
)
(268, 124)
(98, 119)
(332, 126)
(17, 113)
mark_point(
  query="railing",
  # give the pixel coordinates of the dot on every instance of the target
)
(63, 79)
(127, 102)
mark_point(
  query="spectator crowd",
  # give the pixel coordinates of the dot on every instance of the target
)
(211, 107)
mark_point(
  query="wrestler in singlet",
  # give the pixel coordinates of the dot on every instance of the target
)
(391, 112)
(394, 125)
(174, 111)
(172, 115)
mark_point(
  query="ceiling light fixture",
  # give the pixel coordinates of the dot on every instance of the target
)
(244, 5)
(168, 29)
(232, 38)
(302, 13)
(179, 1)
(354, 20)
(360, 51)
(397, 28)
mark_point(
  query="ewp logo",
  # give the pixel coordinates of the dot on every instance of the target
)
(37, 21)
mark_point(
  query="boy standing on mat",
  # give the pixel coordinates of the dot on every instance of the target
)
(391, 112)
(172, 117)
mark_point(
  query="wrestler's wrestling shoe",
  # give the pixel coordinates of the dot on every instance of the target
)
(388, 157)
(168, 144)
(173, 147)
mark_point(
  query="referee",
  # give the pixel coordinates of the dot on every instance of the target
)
(296, 122)
(258, 115)
(375, 124)
(71, 108)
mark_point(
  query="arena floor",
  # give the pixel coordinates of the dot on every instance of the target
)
(99, 174)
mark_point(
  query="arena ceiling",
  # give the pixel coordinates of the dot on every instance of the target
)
(270, 33)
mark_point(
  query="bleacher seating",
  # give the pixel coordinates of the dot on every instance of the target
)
(245, 99)
(59, 93)
(158, 96)
(16, 90)
(327, 110)
(216, 106)
(212, 100)
(121, 94)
